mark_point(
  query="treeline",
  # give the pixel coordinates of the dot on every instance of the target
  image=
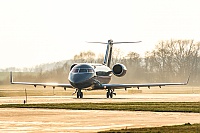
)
(170, 61)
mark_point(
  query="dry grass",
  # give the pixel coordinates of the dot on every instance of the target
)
(186, 128)
(189, 107)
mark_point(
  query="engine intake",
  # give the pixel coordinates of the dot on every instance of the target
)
(119, 70)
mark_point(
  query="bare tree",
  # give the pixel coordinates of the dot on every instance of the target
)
(173, 58)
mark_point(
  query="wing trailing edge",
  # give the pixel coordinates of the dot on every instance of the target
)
(40, 84)
(120, 86)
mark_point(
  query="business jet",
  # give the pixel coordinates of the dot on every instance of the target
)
(85, 76)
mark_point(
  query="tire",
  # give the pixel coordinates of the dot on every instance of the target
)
(81, 95)
(111, 95)
(107, 94)
(77, 95)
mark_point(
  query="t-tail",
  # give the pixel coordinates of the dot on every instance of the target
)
(108, 55)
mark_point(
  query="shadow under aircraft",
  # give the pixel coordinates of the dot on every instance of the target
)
(88, 76)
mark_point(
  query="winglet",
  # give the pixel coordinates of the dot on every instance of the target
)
(11, 78)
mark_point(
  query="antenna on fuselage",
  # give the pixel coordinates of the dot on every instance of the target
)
(108, 55)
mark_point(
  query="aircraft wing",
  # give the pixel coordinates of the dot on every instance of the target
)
(119, 86)
(40, 84)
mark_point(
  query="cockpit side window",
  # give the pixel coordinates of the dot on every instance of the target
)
(75, 70)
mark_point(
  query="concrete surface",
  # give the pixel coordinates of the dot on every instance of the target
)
(47, 120)
(101, 98)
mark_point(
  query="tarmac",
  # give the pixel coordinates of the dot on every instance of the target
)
(59, 120)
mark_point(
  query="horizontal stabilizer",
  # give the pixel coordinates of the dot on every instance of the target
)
(108, 55)
(115, 42)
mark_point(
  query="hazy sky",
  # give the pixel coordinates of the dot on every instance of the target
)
(41, 31)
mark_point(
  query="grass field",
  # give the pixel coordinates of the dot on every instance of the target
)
(125, 106)
(186, 128)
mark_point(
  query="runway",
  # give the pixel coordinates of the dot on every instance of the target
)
(47, 120)
(102, 99)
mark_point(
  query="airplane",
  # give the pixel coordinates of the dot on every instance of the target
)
(88, 76)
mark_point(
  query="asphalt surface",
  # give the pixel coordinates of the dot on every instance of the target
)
(51, 120)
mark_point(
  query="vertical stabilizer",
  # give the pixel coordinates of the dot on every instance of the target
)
(108, 55)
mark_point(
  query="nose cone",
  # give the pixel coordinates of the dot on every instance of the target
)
(81, 76)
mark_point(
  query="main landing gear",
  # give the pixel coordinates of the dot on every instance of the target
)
(110, 93)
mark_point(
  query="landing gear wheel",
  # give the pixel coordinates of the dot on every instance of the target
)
(79, 94)
(111, 95)
(107, 94)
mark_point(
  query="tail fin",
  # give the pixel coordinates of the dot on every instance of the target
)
(108, 55)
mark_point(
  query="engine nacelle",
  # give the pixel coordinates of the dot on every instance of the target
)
(72, 66)
(119, 70)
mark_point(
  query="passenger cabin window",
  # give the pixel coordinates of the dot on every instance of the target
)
(83, 70)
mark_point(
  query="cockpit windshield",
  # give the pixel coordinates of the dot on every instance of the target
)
(83, 70)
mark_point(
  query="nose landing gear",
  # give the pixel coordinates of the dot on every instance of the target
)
(79, 93)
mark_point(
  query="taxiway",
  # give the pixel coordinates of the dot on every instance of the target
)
(54, 120)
